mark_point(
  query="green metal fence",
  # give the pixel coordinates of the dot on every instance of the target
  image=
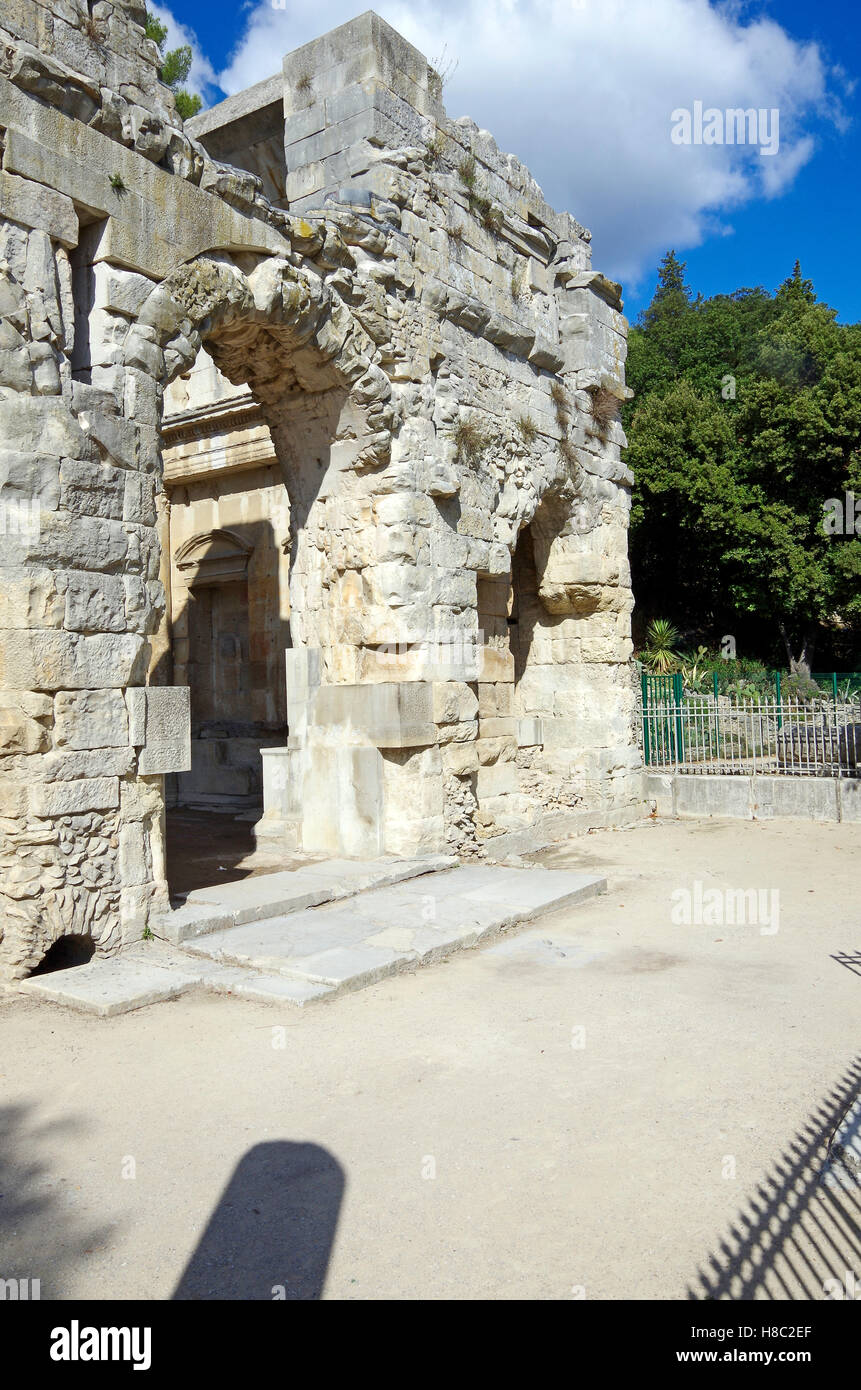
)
(700, 733)
(840, 684)
(663, 722)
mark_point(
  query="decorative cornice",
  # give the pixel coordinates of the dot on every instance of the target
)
(208, 420)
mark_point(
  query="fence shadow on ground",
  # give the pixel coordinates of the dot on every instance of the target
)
(851, 959)
(271, 1235)
(798, 1230)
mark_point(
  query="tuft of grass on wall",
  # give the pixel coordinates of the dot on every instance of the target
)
(604, 409)
(470, 439)
(527, 428)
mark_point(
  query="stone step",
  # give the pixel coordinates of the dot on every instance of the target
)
(311, 954)
(151, 973)
(397, 927)
(273, 895)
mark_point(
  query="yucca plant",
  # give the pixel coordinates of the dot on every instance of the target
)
(659, 653)
(694, 667)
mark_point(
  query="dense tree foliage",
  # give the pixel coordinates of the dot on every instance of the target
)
(746, 420)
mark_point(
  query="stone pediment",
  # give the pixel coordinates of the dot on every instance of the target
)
(213, 557)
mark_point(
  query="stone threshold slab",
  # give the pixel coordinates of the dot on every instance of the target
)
(310, 955)
(269, 895)
(152, 973)
(399, 927)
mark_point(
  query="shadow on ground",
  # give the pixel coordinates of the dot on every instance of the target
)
(41, 1234)
(799, 1229)
(271, 1234)
(204, 848)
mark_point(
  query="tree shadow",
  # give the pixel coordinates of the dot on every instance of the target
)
(802, 1226)
(271, 1235)
(41, 1237)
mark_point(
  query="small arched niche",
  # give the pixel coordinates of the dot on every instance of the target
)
(65, 953)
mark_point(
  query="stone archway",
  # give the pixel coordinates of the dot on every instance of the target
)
(311, 368)
(308, 363)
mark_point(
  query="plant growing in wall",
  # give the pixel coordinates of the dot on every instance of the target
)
(604, 409)
(488, 214)
(527, 428)
(434, 150)
(467, 173)
(470, 439)
(559, 397)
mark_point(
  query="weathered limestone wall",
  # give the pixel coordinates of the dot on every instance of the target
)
(435, 363)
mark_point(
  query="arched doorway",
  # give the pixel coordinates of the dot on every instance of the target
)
(226, 532)
(269, 396)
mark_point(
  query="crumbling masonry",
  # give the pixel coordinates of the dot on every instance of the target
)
(410, 348)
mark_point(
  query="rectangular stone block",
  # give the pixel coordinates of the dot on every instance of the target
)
(495, 665)
(849, 791)
(167, 747)
(41, 208)
(498, 726)
(806, 798)
(120, 291)
(69, 661)
(90, 719)
(658, 788)
(529, 731)
(71, 798)
(453, 702)
(384, 715)
(713, 796)
(342, 795)
(25, 720)
(497, 779)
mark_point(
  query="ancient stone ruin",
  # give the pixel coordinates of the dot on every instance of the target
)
(310, 478)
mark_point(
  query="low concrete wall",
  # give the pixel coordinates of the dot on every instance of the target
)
(754, 798)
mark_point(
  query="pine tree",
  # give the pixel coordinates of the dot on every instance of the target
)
(175, 67)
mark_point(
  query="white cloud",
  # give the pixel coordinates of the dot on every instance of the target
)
(582, 91)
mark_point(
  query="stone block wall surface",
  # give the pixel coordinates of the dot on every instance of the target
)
(437, 368)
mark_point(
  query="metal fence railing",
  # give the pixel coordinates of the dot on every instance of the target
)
(681, 732)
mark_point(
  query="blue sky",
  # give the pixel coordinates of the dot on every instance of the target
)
(583, 91)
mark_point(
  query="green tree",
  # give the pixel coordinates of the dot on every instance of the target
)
(745, 421)
(175, 68)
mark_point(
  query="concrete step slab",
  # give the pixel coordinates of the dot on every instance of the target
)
(269, 895)
(390, 929)
(268, 989)
(116, 984)
(309, 955)
(152, 973)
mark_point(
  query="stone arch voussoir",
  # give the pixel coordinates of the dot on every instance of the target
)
(252, 323)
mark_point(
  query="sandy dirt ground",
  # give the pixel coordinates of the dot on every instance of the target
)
(610, 1105)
